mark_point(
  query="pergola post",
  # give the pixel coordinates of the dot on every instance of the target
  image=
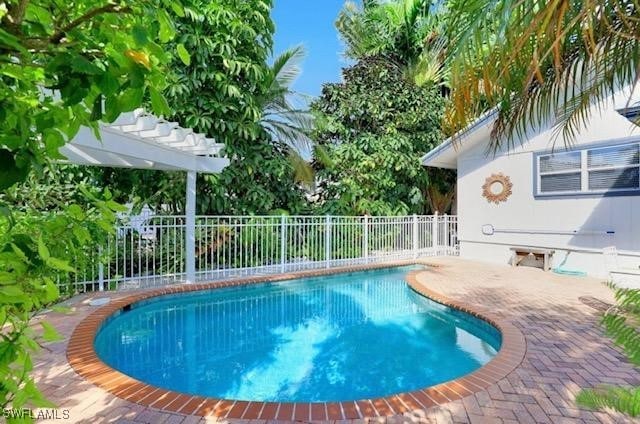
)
(139, 140)
(190, 233)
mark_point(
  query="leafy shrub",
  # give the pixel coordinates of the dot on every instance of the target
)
(621, 323)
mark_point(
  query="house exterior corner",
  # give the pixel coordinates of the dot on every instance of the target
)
(574, 199)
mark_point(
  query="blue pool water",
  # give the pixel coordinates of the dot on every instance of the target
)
(333, 338)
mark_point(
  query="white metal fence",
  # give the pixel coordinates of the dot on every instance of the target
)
(151, 252)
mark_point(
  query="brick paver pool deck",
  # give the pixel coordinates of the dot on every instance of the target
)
(566, 350)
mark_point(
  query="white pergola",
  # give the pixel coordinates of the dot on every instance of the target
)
(139, 140)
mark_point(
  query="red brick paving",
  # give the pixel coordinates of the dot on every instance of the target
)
(566, 351)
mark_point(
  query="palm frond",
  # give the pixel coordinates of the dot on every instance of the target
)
(287, 124)
(621, 323)
(625, 400)
(378, 28)
(288, 134)
(541, 63)
(286, 67)
(302, 169)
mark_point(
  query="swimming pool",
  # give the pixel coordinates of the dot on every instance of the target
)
(332, 338)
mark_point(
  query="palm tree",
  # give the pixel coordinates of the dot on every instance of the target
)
(407, 32)
(539, 61)
(284, 114)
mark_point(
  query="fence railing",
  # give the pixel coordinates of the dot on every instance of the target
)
(151, 251)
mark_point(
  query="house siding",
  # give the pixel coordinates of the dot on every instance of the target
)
(524, 212)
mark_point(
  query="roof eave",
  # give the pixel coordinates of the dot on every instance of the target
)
(433, 158)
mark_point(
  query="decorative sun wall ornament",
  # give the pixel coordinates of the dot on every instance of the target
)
(497, 188)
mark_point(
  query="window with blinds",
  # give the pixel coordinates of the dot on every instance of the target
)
(597, 170)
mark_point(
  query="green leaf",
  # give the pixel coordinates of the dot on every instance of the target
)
(82, 234)
(83, 65)
(176, 6)
(60, 264)
(166, 31)
(76, 212)
(43, 251)
(115, 206)
(51, 292)
(108, 83)
(12, 71)
(13, 293)
(49, 333)
(130, 99)
(53, 140)
(19, 252)
(112, 108)
(139, 34)
(11, 41)
(96, 111)
(159, 103)
(10, 172)
(183, 54)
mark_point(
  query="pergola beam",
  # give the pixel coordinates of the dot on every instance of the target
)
(139, 140)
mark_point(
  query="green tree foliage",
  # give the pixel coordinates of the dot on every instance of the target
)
(226, 89)
(229, 43)
(373, 128)
(38, 251)
(409, 35)
(51, 190)
(410, 31)
(224, 92)
(63, 65)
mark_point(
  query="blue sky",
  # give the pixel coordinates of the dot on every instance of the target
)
(310, 22)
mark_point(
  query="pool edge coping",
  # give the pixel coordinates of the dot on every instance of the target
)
(84, 360)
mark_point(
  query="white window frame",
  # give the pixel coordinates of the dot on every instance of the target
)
(584, 173)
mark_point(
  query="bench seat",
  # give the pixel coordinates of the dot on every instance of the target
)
(519, 253)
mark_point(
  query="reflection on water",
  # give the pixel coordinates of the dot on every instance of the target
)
(340, 337)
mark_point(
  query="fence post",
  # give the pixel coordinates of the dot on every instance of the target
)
(446, 234)
(434, 234)
(365, 239)
(415, 236)
(283, 242)
(327, 241)
(100, 270)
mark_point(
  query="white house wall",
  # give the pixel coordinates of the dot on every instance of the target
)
(525, 213)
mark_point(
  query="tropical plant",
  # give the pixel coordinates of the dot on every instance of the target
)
(539, 62)
(621, 323)
(440, 200)
(409, 31)
(373, 127)
(36, 252)
(63, 65)
(380, 27)
(57, 186)
(285, 116)
(226, 89)
(409, 35)
(216, 90)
